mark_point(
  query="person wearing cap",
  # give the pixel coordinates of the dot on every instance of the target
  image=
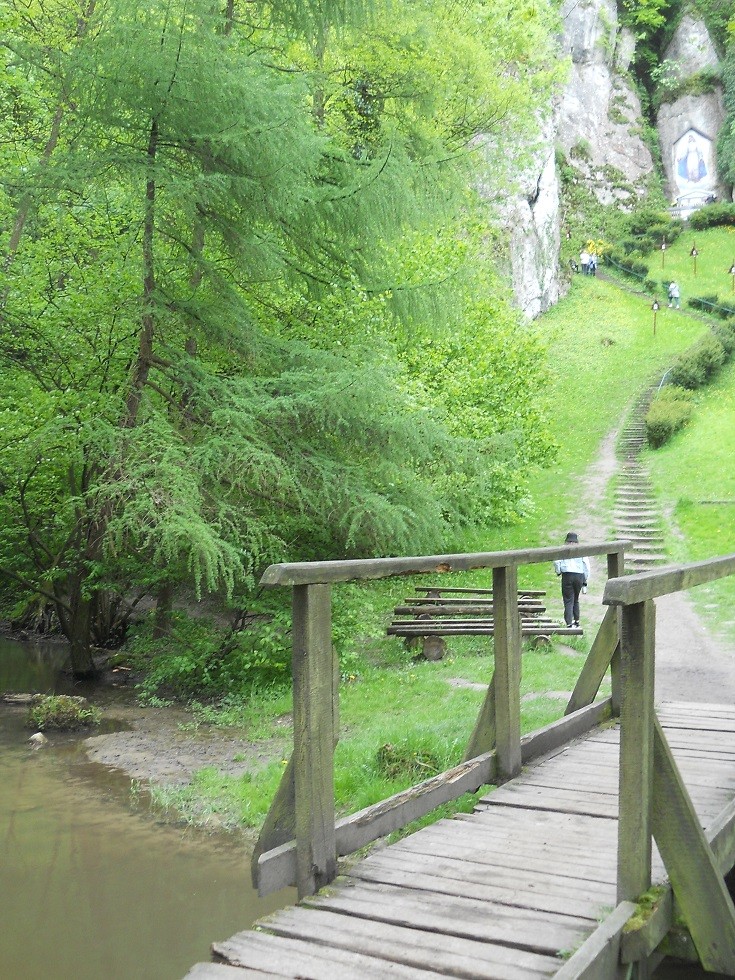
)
(575, 573)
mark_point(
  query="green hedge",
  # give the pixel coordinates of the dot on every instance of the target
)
(700, 364)
(711, 303)
(669, 411)
(712, 215)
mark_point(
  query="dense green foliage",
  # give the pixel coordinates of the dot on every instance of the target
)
(669, 412)
(246, 309)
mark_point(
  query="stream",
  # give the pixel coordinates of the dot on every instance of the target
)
(91, 883)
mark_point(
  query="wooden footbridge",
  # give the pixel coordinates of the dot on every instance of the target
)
(603, 847)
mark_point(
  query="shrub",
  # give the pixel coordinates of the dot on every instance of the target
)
(61, 711)
(706, 303)
(712, 215)
(669, 412)
(725, 334)
(700, 364)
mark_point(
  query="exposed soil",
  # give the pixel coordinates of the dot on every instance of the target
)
(166, 747)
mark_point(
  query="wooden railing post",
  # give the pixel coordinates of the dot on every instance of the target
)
(636, 750)
(507, 671)
(314, 738)
(616, 568)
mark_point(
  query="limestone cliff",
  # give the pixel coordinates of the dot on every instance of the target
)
(600, 112)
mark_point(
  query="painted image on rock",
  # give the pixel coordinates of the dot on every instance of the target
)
(693, 167)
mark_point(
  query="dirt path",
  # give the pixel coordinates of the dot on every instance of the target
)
(690, 664)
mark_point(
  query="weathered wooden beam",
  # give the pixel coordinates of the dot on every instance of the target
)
(314, 737)
(313, 572)
(507, 672)
(482, 738)
(698, 885)
(616, 568)
(279, 826)
(598, 958)
(648, 585)
(560, 732)
(721, 834)
(597, 662)
(277, 868)
(636, 751)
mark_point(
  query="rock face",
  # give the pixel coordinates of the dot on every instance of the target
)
(533, 221)
(688, 124)
(600, 112)
(597, 124)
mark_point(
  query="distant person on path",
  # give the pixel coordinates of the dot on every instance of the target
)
(674, 295)
(584, 261)
(575, 574)
(592, 267)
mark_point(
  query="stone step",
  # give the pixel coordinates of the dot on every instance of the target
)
(643, 560)
(640, 534)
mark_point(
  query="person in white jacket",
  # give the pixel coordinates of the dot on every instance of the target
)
(575, 574)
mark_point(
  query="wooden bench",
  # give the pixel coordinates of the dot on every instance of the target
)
(444, 611)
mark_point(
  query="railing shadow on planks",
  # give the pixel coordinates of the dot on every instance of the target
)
(301, 840)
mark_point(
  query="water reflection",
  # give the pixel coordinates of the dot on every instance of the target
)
(92, 886)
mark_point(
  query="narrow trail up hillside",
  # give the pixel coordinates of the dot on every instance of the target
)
(690, 664)
(637, 513)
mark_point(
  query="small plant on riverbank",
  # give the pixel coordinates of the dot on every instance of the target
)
(62, 712)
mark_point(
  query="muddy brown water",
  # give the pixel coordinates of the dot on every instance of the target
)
(91, 885)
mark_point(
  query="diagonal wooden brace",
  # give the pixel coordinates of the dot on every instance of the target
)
(696, 879)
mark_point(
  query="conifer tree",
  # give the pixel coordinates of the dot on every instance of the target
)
(207, 372)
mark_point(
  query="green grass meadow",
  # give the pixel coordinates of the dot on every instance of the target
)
(403, 719)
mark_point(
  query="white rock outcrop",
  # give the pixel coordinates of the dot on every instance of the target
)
(600, 112)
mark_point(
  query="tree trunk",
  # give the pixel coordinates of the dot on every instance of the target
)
(79, 635)
(164, 606)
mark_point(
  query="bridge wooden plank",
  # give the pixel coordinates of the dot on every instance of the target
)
(221, 971)
(528, 860)
(543, 891)
(488, 922)
(565, 800)
(452, 955)
(298, 958)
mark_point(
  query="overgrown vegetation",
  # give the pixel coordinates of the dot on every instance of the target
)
(62, 712)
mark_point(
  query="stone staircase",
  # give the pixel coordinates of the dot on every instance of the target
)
(637, 515)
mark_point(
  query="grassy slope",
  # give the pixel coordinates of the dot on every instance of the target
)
(603, 355)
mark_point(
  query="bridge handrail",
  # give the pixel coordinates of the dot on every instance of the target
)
(300, 839)
(654, 803)
(630, 589)
(356, 569)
